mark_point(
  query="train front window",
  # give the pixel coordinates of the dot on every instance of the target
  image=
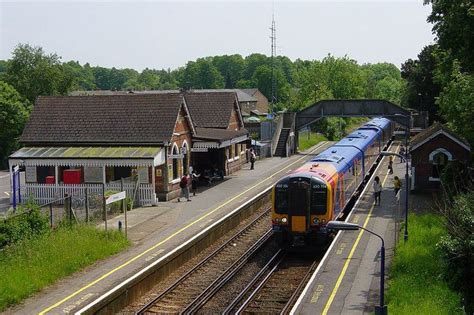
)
(318, 198)
(298, 198)
(281, 198)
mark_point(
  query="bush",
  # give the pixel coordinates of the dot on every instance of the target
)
(458, 246)
(28, 223)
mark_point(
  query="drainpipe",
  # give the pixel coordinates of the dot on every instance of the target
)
(165, 171)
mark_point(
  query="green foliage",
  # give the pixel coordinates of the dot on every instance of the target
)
(453, 23)
(27, 223)
(458, 246)
(416, 277)
(14, 111)
(308, 139)
(456, 103)
(422, 87)
(202, 74)
(32, 264)
(83, 76)
(32, 72)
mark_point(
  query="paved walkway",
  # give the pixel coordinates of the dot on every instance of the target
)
(156, 230)
(348, 279)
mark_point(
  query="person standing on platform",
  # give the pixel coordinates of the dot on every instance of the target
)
(252, 159)
(397, 185)
(390, 165)
(183, 184)
(377, 189)
(402, 153)
(194, 181)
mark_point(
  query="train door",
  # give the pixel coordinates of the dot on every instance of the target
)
(298, 205)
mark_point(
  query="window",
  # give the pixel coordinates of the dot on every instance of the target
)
(298, 197)
(281, 198)
(175, 152)
(318, 198)
(439, 159)
(184, 151)
(439, 162)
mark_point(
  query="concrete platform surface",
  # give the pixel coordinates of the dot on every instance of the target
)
(154, 231)
(348, 279)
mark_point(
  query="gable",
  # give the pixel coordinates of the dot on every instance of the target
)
(438, 135)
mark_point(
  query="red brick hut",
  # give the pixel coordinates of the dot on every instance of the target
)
(220, 138)
(431, 150)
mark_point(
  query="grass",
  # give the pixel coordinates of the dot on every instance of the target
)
(30, 265)
(416, 284)
(306, 143)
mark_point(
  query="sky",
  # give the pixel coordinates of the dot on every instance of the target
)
(167, 34)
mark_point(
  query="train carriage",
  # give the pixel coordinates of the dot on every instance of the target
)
(305, 200)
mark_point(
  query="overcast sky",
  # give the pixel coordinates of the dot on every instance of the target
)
(159, 34)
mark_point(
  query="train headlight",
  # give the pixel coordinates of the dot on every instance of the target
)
(315, 221)
(277, 220)
(284, 220)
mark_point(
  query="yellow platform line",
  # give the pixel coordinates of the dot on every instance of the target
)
(171, 236)
(351, 253)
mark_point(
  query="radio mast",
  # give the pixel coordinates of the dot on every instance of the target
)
(274, 83)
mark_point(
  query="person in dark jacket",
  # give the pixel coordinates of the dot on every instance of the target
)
(183, 184)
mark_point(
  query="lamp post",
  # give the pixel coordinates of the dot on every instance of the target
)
(339, 225)
(407, 130)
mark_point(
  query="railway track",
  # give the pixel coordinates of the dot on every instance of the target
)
(277, 287)
(195, 287)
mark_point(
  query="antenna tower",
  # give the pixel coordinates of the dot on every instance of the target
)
(273, 38)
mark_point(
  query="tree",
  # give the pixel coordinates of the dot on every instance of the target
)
(202, 74)
(32, 73)
(422, 88)
(453, 23)
(83, 76)
(456, 103)
(262, 79)
(14, 111)
(230, 67)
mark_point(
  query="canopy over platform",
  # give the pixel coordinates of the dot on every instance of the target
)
(88, 156)
(214, 138)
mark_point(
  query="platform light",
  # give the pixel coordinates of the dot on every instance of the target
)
(346, 226)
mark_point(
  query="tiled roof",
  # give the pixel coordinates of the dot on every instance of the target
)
(113, 119)
(250, 92)
(219, 134)
(241, 95)
(210, 109)
(430, 131)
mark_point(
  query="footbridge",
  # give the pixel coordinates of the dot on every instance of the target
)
(341, 108)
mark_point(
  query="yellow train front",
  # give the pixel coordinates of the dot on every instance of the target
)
(302, 205)
(319, 191)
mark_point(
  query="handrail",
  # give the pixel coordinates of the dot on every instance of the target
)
(276, 134)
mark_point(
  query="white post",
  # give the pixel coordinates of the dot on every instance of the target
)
(153, 185)
(11, 181)
(56, 175)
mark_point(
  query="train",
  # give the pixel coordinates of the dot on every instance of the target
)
(306, 199)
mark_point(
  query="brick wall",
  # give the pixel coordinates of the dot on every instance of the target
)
(422, 165)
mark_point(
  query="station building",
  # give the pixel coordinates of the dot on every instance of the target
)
(74, 143)
(431, 151)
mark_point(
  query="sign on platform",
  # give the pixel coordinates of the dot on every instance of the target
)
(116, 197)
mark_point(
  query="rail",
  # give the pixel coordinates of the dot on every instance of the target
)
(148, 306)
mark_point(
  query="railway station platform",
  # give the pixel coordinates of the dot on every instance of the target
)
(347, 281)
(155, 231)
